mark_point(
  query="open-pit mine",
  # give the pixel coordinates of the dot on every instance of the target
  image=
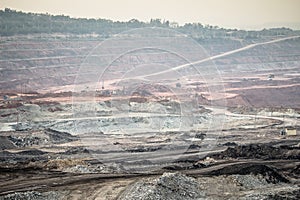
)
(150, 113)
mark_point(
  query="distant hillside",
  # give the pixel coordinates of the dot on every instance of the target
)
(15, 22)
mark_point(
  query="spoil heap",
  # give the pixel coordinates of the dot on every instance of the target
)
(170, 186)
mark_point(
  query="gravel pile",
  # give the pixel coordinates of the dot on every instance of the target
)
(269, 174)
(27, 141)
(5, 143)
(33, 195)
(250, 181)
(79, 169)
(260, 151)
(170, 186)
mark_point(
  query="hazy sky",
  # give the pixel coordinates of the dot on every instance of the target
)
(245, 14)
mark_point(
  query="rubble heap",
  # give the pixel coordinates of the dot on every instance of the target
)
(170, 186)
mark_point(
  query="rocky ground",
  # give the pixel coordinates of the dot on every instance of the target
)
(249, 159)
